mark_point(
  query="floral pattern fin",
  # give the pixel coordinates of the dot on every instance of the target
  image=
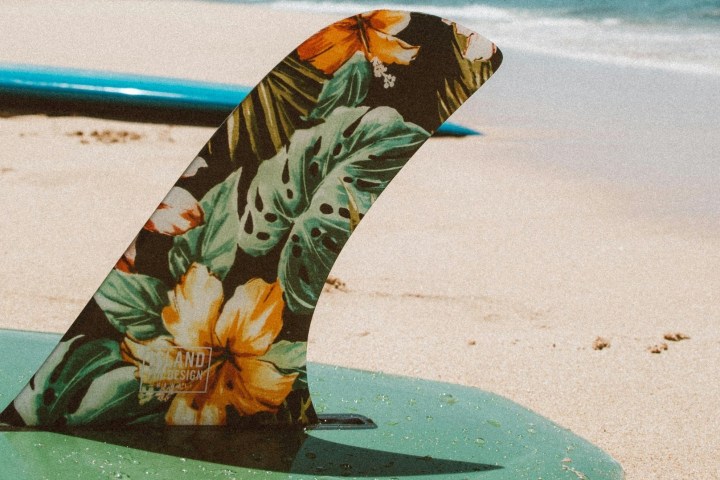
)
(204, 319)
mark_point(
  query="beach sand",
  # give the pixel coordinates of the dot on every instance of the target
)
(589, 208)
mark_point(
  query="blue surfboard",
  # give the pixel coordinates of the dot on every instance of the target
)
(78, 91)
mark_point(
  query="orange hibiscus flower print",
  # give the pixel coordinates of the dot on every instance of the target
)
(235, 335)
(372, 33)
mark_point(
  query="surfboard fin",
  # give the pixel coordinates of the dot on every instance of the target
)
(204, 319)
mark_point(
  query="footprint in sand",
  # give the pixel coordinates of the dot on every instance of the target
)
(671, 337)
(106, 136)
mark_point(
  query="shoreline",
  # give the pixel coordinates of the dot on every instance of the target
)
(537, 241)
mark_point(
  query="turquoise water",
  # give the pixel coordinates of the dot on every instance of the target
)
(668, 34)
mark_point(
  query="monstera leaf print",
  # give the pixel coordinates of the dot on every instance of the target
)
(269, 115)
(473, 69)
(304, 194)
(212, 244)
(81, 383)
(347, 88)
(110, 397)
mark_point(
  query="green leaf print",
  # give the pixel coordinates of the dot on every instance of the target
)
(110, 396)
(470, 76)
(348, 87)
(289, 357)
(269, 115)
(133, 303)
(286, 356)
(60, 392)
(304, 195)
(213, 244)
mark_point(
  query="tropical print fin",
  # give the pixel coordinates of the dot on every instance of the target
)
(204, 319)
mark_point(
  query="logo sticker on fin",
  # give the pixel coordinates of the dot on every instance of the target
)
(172, 370)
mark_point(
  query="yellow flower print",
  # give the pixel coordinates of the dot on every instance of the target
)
(238, 332)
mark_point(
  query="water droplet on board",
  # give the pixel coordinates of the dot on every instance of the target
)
(448, 399)
(226, 472)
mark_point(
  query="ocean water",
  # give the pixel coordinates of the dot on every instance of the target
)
(679, 35)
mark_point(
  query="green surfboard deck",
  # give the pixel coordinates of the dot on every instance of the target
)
(425, 429)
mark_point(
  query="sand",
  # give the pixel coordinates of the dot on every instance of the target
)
(587, 209)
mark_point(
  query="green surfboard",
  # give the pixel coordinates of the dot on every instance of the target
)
(424, 429)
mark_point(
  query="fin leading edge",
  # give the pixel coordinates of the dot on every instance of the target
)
(204, 320)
